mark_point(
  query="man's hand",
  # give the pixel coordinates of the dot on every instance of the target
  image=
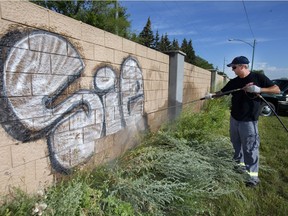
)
(252, 88)
(209, 96)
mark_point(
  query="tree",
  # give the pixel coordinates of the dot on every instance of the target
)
(107, 15)
(164, 44)
(146, 36)
(175, 45)
(187, 48)
(200, 62)
(156, 41)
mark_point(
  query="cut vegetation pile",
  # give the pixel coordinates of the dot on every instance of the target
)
(185, 168)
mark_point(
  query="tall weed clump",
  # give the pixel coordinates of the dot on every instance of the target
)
(203, 126)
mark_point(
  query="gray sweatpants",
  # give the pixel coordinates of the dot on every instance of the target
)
(245, 140)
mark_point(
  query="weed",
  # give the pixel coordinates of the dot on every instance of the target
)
(185, 168)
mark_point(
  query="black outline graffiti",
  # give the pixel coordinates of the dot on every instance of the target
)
(13, 125)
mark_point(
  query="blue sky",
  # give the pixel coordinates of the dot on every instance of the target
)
(210, 24)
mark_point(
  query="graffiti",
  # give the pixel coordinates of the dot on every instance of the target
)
(36, 69)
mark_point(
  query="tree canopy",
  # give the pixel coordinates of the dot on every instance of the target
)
(108, 15)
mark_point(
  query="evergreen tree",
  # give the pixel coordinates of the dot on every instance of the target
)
(165, 44)
(191, 53)
(184, 48)
(187, 48)
(156, 41)
(146, 36)
(175, 45)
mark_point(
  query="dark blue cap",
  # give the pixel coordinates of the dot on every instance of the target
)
(239, 60)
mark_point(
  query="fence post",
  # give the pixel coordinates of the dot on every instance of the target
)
(175, 88)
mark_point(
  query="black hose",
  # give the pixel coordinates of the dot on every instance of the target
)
(273, 112)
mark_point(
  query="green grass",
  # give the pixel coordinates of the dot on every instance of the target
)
(271, 197)
(185, 168)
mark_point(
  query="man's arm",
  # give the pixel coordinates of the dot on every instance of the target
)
(256, 89)
(271, 90)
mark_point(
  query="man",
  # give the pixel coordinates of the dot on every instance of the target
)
(244, 115)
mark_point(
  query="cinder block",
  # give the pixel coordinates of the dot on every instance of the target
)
(87, 50)
(103, 54)
(146, 74)
(129, 46)
(25, 13)
(162, 104)
(5, 159)
(17, 178)
(33, 187)
(161, 57)
(92, 34)
(90, 68)
(4, 183)
(119, 56)
(112, 41)
(30, 175)
(148, 106)
(26, 152)
(155, 85)
(64, 25)
(103, 144)
(87, 83)
(141, 50)
(151, 54)
(155, 65)
(6, 139)
(165, 94)
(146, 63)
(164, 67)
(43, 169)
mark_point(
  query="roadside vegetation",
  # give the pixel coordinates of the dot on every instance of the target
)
(185, 168)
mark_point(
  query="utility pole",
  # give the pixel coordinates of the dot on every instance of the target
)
(116, 16)
(253, 49)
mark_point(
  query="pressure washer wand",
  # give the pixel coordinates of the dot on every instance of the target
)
(235, 90)
(217, 95)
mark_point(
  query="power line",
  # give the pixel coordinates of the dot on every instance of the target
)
(248, 19)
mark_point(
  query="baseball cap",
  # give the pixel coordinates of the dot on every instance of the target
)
(239, 60)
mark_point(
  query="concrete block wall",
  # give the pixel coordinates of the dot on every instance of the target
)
(75, 96)
(196, 85)
(70, 94)
(220, 81)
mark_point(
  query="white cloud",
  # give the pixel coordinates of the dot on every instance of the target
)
(272, 72)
